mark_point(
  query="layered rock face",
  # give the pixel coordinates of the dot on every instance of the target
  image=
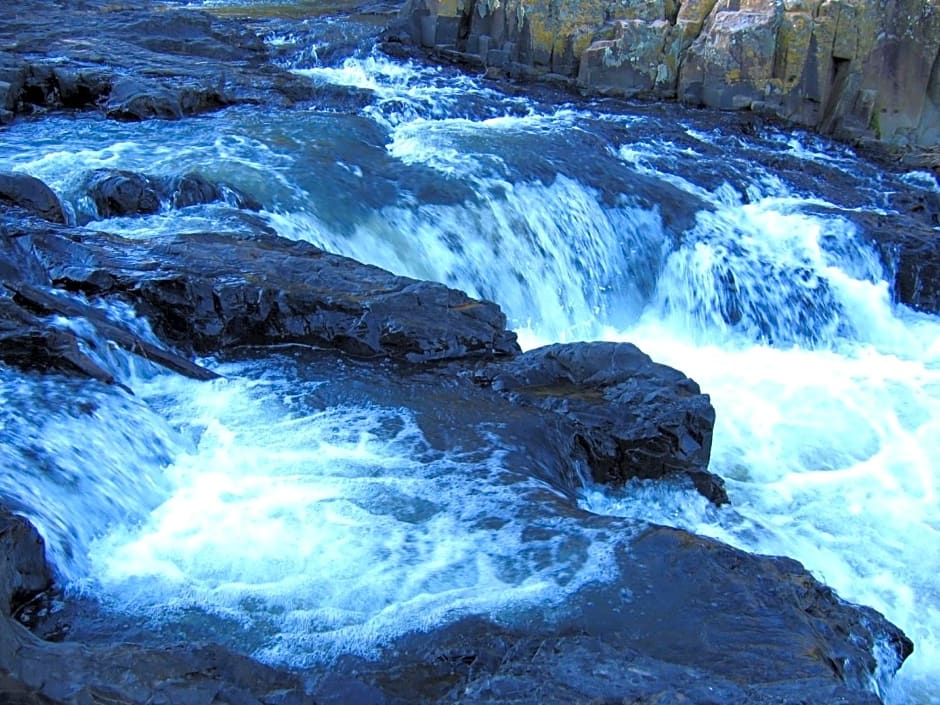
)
(857, 69)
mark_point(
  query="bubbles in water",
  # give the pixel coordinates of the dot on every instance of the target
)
(771, 274)
(299, 534)
(80, 460)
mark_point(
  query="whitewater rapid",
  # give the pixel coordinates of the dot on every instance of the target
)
(827, 394)
(582, 222)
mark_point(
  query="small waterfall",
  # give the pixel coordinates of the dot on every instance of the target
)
(522, 244)
(732, 257)
(770, 274)
(828, 395)
(83, 458)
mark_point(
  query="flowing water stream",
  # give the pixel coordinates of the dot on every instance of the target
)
(269, 498)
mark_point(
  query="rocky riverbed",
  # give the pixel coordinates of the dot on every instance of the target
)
(672, 617)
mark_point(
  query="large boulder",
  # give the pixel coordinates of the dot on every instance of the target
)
(862, 70)
(208, 293)
(32, 194)
(627, 416)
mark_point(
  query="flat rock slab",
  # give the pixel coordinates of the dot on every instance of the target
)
(208, 292)
(657, 634)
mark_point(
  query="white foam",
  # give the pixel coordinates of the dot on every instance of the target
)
(830, 458)
(766, 271)
(404, 91)
(303, 534)
(55, 431)
(467, 147)
(922, 179)
(529, 242)
(61, 152)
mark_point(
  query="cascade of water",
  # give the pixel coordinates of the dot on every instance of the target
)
(581, 224)
(828, 396)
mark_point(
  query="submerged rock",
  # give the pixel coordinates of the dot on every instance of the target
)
(117, 192)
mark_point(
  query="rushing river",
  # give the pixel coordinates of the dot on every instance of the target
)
(265, 499)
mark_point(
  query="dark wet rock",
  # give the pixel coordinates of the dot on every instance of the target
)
(911, 252)
(38, 84)
(33, 344)
(81, 87)
(40, 300)
(658, 632)
(920, 204)
(917, 271)
(29, 336)
(630, 417)
(32, 194)
(119, 193)
(23, 569)
(144, 64)
(128, 193)
(14, 692)
(134, 99)
(74, 674)
(194, 34)
(210, 292)
(192, 189)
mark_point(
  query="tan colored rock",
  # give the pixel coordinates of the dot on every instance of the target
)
(731, 63)
(642, 60)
